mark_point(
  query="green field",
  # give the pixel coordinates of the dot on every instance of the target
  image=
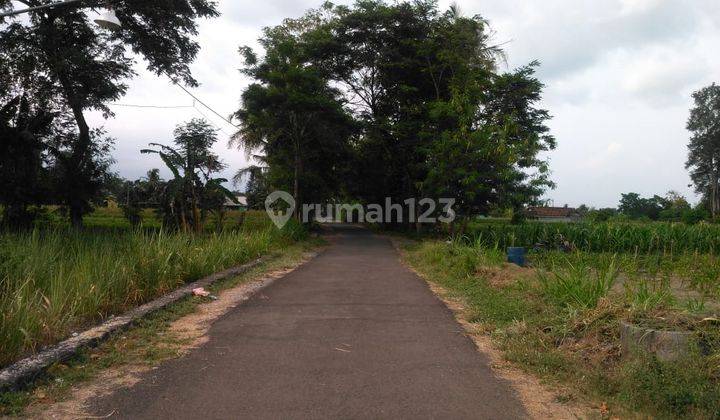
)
(56, 280)
(112, 218)
(634, 237)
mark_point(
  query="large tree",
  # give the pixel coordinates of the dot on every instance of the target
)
(634, 206)
(292, 117)
(486, 129)
(704, 148)
(434, 117)
(22, 131)
(61, 51)
(383, 57)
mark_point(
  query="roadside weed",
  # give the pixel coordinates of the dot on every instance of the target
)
(577, 285)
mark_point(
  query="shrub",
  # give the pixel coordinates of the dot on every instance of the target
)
(576, 285)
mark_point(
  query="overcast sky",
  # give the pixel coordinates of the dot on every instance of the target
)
(618, 75)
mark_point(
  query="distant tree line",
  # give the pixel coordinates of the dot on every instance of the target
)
(703, 163)
(672, 207)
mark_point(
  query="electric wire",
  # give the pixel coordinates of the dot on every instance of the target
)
(152, 106)
(205, 105)
(212, 123)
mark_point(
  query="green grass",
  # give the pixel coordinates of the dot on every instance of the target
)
(111, 218)
(563, 325)
(56, 281)
(577, 285)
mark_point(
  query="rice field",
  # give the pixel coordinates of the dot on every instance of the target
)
(56, 281)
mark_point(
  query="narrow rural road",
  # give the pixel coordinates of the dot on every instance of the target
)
(351, 334)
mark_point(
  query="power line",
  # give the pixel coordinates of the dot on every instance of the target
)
(204, 104)
(153, 106)
(212, 123)
(196, 101)
(193, 106)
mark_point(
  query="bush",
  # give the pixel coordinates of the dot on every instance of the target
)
(132, 214)
(577, 285)
(694, 216)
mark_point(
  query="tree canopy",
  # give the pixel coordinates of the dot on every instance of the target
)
(400, 101)
(60, 58)
(704, 148)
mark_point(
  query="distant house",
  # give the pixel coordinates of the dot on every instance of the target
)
(553, 214)
(240, 205)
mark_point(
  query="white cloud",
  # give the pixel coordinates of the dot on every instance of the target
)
(660, 75)
(619, 75)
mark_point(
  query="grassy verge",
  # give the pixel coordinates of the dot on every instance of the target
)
(145, 345)
(54, 282)
(562, 325)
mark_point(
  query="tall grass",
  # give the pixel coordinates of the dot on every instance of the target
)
(52, 282)
(604, 237)
(576, 285)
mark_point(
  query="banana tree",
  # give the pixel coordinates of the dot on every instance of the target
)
(173, 198)
(192, 164)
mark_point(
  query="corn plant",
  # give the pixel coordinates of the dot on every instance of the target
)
(644, 238)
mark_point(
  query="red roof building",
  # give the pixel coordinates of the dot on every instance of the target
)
(556, 214)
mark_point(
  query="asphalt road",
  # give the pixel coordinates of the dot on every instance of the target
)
(351, 334)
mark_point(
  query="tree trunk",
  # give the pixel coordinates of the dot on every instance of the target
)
(183, 219)
(75, 188)
(296, 185)
(74, 172)
(197, 225)
(714, 199)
